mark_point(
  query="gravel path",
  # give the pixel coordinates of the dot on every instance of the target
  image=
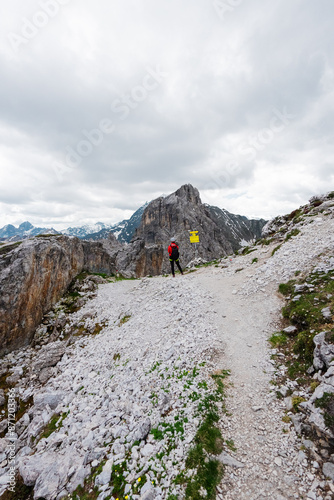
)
(270, 457)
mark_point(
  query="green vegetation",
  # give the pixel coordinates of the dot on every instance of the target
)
(55, 424)
(207, 264)
(278, 339)
(305, 300)
(296, 400)
(8, 248)
(208, 475)
(327, 404)
(201, 472)
(124, 320)
(294, 232)
(275, 250)
(255, 260)
(265, 241)
(287, 288)
(248, 250)
(230, 444)
(48, 236)
(207, 440)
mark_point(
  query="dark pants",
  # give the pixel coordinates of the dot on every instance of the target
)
(178, 265)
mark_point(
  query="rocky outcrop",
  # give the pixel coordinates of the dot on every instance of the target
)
(139, 259)
(174, 216)
(282, 224)
(236, 228)
(33, 277)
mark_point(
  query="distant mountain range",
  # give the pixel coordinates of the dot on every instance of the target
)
(123, 230)
(236, 228)
(25, 230)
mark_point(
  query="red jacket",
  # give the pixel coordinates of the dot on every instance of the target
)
(170, 248)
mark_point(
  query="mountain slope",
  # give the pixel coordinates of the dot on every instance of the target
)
(152, 379)
(220, 233)
(123, 231)
(237, 228)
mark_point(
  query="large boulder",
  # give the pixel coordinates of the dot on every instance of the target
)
(34, 275)
(324, 350)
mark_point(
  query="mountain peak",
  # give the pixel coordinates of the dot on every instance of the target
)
(25, 226)
(189, 193)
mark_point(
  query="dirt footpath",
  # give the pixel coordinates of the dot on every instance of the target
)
(266, 448)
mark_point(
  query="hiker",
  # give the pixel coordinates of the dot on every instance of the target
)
(173, 251)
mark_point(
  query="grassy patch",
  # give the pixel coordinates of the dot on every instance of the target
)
(296, 400)
(287, 288)
(55, 424)
(87, 492)
(264, 241)
(275, 250)
(248, 250)
(327, 404)
(292, 233)
(208, 475)
(255, 260)
(124, 320)
(305, 299)
(278, 339)
(9, 248)
(304, 312)
(208, 441)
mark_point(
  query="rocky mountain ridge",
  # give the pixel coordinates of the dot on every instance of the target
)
(220, 233)
(25, 230)
(34, 275)
(236, 228)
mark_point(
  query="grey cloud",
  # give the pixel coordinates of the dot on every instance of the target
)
(225, 76)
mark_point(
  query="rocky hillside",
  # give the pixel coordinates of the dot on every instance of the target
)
(34, 275)
(237, 229)
(36, 272)
(175, 215)
(166, 389)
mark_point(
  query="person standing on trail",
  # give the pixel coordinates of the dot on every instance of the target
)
(173, 251)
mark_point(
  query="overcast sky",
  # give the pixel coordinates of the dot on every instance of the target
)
(107, 104)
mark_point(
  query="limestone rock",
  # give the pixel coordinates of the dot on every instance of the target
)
(226, 459)
(2, 397)
(33, 277)
(323, 352)
(104, 477)
(148, 495)
(328, 470)
(52, 400)
(49, 356)
(30, 467)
